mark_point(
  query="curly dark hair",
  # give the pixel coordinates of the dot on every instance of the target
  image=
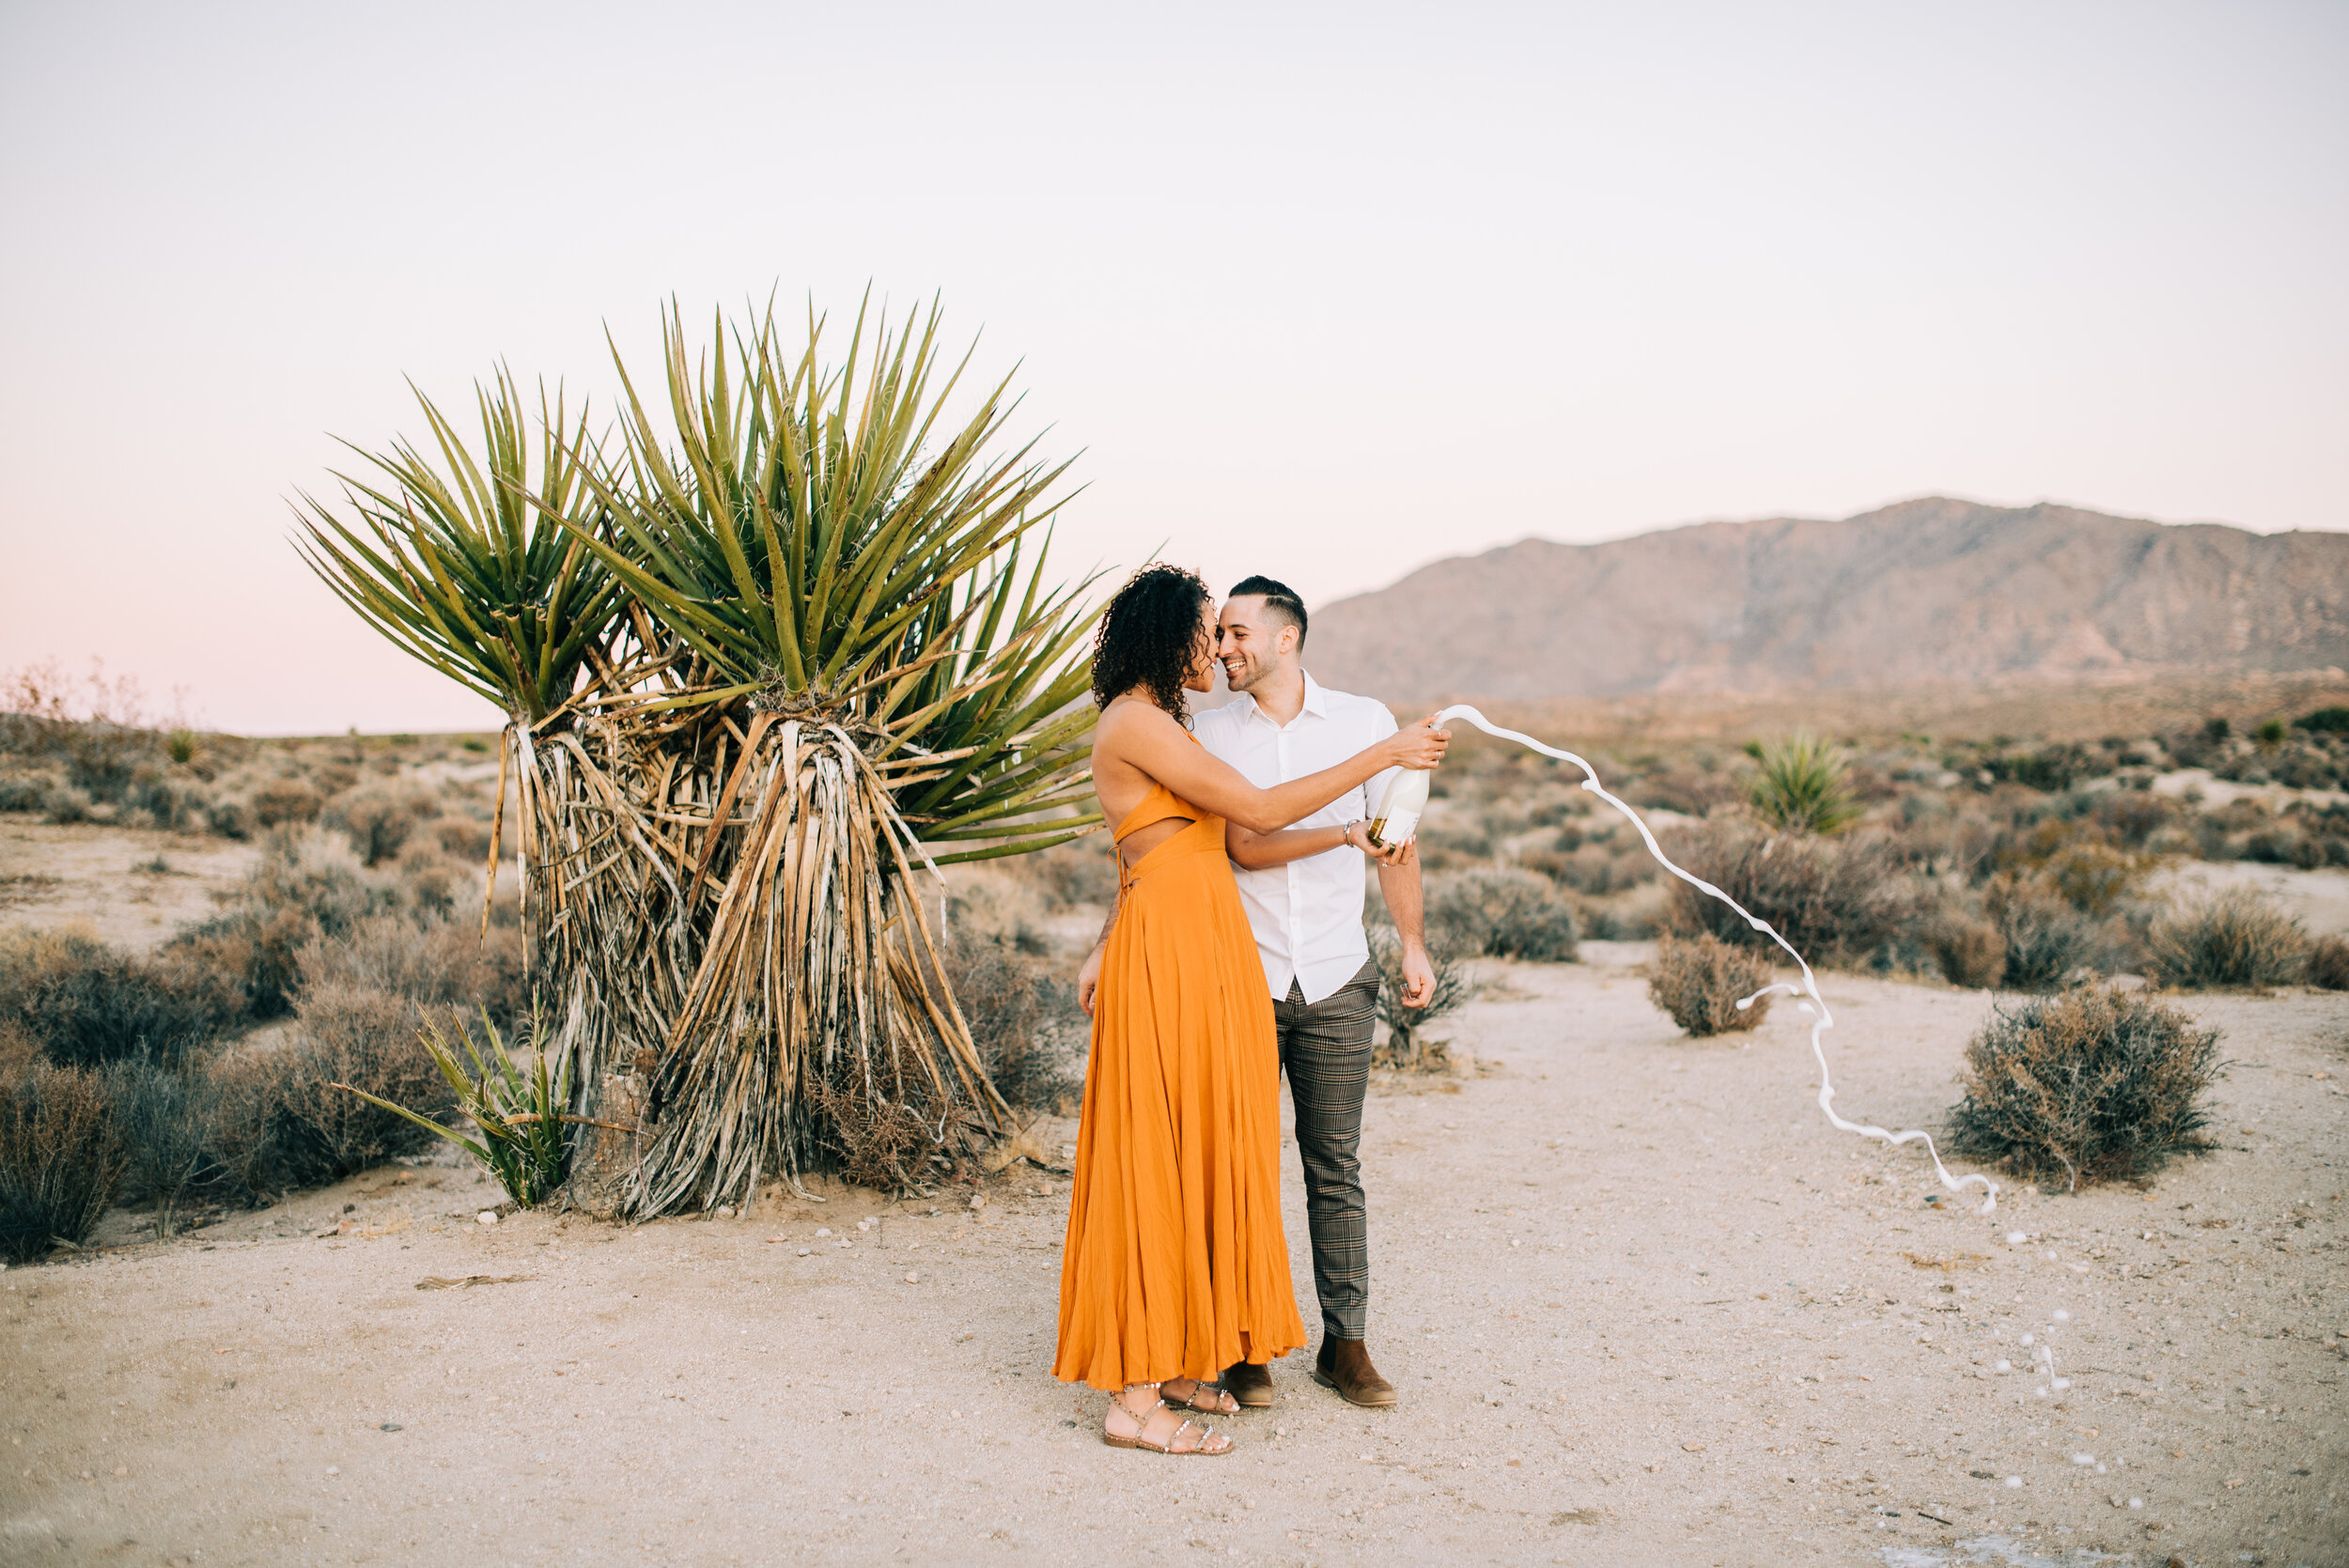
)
(1148, 636)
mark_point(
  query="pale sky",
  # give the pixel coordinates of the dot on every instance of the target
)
(1322, 292)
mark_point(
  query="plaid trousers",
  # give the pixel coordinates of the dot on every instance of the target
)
(1325, 1050)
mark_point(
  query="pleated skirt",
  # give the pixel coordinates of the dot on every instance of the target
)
(1175, 1264)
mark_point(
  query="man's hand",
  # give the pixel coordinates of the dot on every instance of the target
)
(1418, 976)
(1089, 978)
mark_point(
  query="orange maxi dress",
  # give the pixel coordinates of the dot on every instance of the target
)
(1175, 1264)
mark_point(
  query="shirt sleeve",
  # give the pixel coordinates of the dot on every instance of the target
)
(1381, 725)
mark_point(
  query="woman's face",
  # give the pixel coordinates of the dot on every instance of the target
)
(1200, 677)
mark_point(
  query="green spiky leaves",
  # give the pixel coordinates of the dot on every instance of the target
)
(462, 561)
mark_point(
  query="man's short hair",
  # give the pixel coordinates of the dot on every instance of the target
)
(1279, 597)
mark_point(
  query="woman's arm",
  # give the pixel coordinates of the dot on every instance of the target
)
(1261, 851)
(1089, 972)
(1144, 737)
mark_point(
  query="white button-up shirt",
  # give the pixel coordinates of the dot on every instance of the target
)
(1307, 914)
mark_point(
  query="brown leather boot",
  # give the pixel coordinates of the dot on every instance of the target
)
(1250, 1384)
(1345, 1365)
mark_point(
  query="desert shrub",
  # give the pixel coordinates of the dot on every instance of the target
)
(2273, 846)
(24, 791)
(466, 839)
(1507, 913)
(1405, 1046)
(356, 1034)
(1800, 787)
(1970, 952)
(2305, 768)
(2092, 878)
(229, 816)
(988, 903)
(2237, 938)
(378, 819)
(305, 886)
(2328, 964)
(2094, 1083)
(2135, 816)
(179, 804)
(1699, 983)
(1444, 846)
(66, 803)
(430, 882)
(2050, 769)
(1843, 898)
(87, 1003)
(60, 1159)
(19, 1050)
(2046, 939)
(1596, 865)
(2325, 721)
(282, 801)
(241, 1083)
(1025, 1023)
(165, 1118)
(872, 1134)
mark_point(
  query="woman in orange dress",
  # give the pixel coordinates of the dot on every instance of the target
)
(1175, 1266)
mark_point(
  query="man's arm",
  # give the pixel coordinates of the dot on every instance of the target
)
(1398, 884)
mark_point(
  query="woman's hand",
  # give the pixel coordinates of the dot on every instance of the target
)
(1419, 745)
(1089, 978)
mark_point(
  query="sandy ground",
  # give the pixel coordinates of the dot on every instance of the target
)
(107, 878)
(1643, 1305)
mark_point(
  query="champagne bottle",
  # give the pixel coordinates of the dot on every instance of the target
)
(1399, 809)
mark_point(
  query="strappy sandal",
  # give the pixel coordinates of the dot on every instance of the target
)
(1210, 1399)
(1141, 1425)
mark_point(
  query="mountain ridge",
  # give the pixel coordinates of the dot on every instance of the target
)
(1924, 592)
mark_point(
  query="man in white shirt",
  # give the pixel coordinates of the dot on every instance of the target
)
(1302, 888)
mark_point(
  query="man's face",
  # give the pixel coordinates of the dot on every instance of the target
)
(1253, 642)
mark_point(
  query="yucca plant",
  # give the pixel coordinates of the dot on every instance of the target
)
(857, 672)
(524, 1117)
(793, 640)
(1800, 786)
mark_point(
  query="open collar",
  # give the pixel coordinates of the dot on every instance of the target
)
(1316, 702)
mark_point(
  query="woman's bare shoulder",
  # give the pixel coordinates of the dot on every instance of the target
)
(1128, 718)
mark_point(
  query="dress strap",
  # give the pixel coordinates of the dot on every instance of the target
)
(1156, 806)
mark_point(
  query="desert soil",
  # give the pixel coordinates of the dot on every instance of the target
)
(1644, 1304)
(130, 887)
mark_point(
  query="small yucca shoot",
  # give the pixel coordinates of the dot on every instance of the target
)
(1800, 787)
(525, 1137)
